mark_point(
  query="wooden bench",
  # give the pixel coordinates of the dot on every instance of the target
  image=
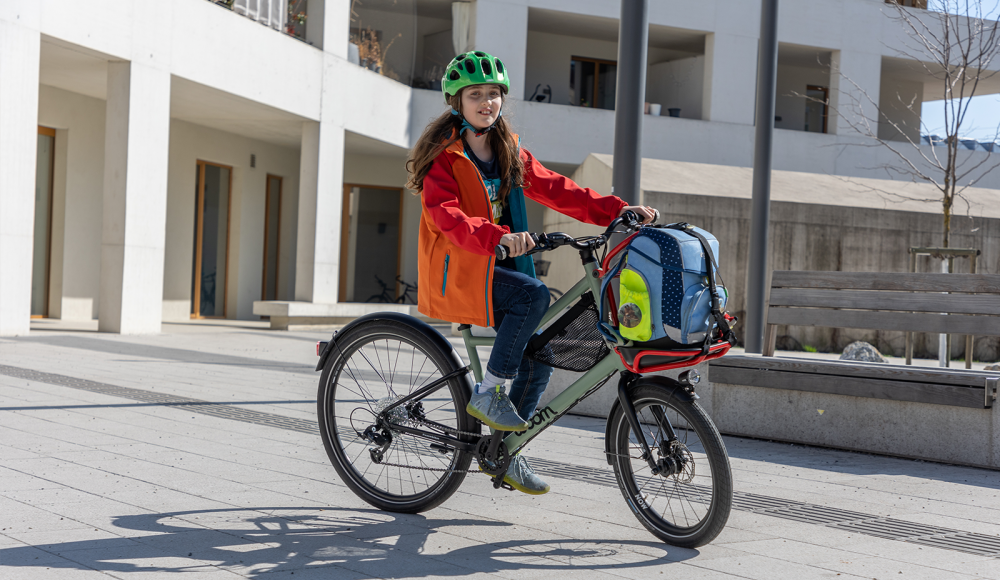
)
(873, 301)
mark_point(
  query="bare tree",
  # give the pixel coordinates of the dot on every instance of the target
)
(954, 43)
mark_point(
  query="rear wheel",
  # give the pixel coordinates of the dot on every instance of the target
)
(690, 507)
(374, 364)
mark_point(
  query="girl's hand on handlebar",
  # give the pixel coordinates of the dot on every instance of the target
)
(646, 213)
(517, 243)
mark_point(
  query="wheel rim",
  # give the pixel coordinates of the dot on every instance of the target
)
(680, 504)
(370, 373)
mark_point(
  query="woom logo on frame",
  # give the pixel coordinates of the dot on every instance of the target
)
(539, 418)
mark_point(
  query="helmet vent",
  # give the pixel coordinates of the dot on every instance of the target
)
(470, 66)
(487, 69)
(480, 54)
(459, 57)
(499, 66)
(454, 75)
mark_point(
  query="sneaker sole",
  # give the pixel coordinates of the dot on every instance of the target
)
(521, 488)
(472, 411)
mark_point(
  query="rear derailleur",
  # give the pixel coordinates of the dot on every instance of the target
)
(380, 437)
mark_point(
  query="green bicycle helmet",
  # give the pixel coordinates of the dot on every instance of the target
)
(473, 68)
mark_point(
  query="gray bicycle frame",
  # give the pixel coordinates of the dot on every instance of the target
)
(573, 394)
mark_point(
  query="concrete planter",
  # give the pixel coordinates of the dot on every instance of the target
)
(903, 429)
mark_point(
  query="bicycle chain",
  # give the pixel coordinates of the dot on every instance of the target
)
(447, 429)
(424, 424)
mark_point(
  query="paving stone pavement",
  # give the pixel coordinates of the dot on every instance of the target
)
(195, 454)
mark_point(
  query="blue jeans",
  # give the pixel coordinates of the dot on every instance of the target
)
(519, 302)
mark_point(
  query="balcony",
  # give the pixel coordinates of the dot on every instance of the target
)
(571, 60)
(287, 16)
(410, 41)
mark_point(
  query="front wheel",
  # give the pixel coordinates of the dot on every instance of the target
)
(690, 506)
(375, 364)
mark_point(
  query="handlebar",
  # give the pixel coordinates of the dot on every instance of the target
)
(545, 242)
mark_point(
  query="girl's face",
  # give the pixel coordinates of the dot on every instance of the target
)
(481, 105)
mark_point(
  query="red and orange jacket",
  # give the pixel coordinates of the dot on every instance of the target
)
(458, 235)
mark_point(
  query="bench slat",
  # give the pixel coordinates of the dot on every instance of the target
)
(904, 321)
(851, 369)
(902, 281)
(870, 388)
(985, 304)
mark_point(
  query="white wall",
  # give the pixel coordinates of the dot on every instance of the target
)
(190, 143)
(78, 194)
(677, 83)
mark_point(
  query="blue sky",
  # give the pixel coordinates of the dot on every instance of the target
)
(981, 122)
(983, 118)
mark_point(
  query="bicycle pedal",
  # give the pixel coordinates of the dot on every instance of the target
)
(501, 484)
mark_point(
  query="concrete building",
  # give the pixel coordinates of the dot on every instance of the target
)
(167, 160)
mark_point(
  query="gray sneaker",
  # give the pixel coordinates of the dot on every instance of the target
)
(522, 478)
(495, 409)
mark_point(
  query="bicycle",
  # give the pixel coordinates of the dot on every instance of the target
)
(383, 296)
(405, 297)
(392, 396)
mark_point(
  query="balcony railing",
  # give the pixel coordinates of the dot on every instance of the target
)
(288, 16)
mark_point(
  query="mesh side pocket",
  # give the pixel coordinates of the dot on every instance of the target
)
(572, 342)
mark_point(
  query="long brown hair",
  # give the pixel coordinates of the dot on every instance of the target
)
(438, 136)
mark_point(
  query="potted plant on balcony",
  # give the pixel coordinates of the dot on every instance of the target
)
(296, 23)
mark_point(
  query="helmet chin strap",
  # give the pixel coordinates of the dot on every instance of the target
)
(466, 125)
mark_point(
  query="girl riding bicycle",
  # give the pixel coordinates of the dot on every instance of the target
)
(472, 176)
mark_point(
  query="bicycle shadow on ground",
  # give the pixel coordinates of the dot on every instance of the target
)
(254, 542)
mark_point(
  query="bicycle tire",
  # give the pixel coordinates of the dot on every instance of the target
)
(660, 508)
(374, 362)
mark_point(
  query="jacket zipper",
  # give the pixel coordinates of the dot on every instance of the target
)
(489, 262)
(444, 283)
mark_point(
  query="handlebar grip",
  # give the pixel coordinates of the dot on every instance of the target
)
(656, 215)
(501, 252)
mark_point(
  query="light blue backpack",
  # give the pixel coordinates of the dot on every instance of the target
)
(656, 289)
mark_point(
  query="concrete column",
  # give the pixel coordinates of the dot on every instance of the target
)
(855, 79)
(19, 61)
(321, 194)
(137, 131)
(501, 29)
(325, 25)
(728, 95)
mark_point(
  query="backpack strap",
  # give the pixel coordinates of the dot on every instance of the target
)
(725, 332)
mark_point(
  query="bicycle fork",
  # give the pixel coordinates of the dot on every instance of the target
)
(666, 463)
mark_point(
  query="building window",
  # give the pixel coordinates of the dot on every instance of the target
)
(817, 103)
(592, 82)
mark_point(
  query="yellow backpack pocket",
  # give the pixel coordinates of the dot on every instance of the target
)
(633, 314)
